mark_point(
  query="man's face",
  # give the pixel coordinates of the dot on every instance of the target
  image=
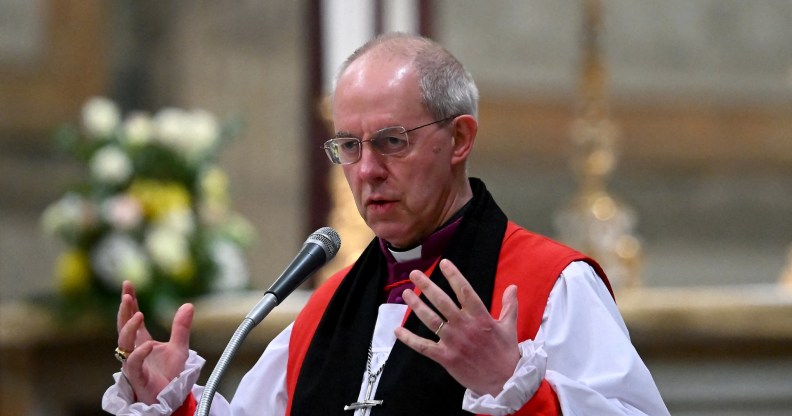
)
(402, 198)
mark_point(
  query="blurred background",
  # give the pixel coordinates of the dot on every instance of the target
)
(698, 97)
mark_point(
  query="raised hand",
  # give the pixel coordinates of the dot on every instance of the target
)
(477, 350)
(151, 365)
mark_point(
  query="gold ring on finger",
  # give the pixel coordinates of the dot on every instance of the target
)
(437, 332)
(121, 355)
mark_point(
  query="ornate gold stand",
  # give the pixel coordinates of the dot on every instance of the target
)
(786, 275)
(343, 217)
(594, 221)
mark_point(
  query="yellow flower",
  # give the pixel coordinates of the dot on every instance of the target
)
(184, 273)
(214, 185)
(72, 272)
(159, 198)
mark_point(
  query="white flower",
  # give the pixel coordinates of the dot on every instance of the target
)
(69, 216)
(110, 164)
(193, 133)
(64, 216)
(138, 129)
(168, 249)
(170, 125)
(203, 132)
(117, 257)
(100, 116)
(181, 221)
(232, 274)
(239, 230)
(123, 212)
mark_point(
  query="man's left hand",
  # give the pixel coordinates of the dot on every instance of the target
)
(479, 351)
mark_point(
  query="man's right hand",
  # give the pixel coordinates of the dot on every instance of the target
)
(151, 365)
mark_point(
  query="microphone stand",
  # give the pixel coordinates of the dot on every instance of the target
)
(320, 247)
(268, 302)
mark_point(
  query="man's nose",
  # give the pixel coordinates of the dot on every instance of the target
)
(371, 163)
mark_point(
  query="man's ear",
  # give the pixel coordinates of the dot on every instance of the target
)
(464, 135)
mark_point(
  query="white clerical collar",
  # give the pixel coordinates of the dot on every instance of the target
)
(402, 256)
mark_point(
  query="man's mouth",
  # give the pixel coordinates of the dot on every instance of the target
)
(379, 204)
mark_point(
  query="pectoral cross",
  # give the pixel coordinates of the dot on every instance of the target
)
(367, 402)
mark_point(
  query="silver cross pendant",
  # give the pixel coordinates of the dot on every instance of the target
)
(367, 403)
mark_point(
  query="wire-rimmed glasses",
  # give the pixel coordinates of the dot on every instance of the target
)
(389, 141)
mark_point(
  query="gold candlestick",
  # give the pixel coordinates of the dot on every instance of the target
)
(786, 275)
(595, 222)
(344, 216)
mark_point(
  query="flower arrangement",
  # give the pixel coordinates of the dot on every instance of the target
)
(153, 208)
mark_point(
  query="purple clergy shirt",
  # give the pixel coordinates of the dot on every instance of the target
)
(399, 270)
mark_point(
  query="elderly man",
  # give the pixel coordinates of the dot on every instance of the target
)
(451, 309)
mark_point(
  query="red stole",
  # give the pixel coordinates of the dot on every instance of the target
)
(530, 261)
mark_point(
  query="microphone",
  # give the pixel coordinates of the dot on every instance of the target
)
(318, 249)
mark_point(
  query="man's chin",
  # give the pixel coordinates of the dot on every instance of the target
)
(395, 235)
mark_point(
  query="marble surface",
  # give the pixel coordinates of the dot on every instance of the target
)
(712, 350)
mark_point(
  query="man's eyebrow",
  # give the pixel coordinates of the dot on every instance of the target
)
(344, 134)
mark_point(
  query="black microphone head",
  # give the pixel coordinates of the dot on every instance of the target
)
(328, 239)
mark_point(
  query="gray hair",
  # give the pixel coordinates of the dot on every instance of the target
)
(447, 88)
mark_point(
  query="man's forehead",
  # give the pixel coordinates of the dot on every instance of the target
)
(376, 91)
(377, 65)
(391, 90)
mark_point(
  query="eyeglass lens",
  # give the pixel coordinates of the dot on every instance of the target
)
(388, 141)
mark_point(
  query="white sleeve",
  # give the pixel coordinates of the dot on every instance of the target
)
(590, 362)
(262, 391)
(120, 400)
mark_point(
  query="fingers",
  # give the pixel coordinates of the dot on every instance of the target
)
(128, 306)
(128, 333)
(470, 302)
(468, 298)
(509, 307)
(126, 309)
(182, 323)
(421, 345)
(468, 331)
(134, 368)
(127, 288)
(429, 318)
(447, 308)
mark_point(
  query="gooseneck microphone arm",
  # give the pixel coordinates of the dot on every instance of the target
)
(319, 248)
